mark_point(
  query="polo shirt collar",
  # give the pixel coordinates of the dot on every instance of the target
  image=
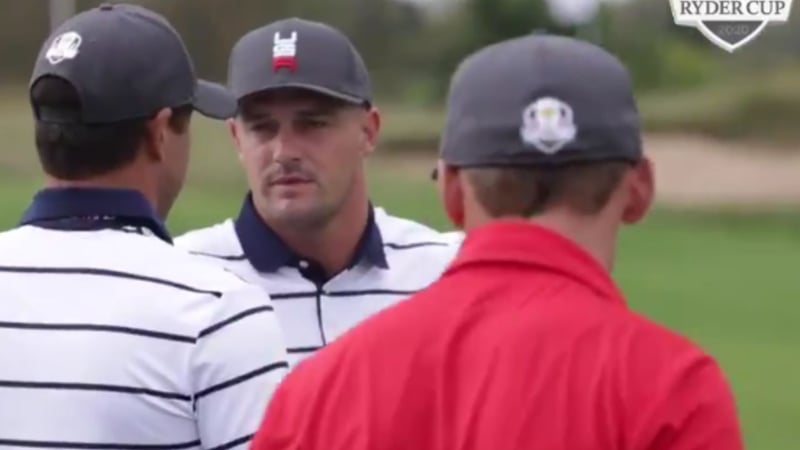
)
(511, 241)
(267, 252)
(74, 207)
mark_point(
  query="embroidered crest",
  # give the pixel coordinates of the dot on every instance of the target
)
(548, 125)
(64, 46)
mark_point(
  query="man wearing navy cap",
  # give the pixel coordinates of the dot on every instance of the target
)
(307, 230)
(110, 337)
(525, 342)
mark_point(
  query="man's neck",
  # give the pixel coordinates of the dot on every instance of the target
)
(118, 180)
(596, 239)
(591, 234)
(333, 245)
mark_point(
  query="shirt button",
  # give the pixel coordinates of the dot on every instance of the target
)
(304, 264)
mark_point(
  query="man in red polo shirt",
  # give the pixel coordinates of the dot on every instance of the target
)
(525, 342)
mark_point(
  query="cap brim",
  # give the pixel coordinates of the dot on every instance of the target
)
(313, 88)
(214, 100)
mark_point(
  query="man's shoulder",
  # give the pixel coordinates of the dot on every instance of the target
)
(203, 269)
(613, 324)
(399, 232)
(180, 266)
(654, 353)
(660, 335)
(130, 255)
(217, 241)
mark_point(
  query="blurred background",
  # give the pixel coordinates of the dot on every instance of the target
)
(718, 258)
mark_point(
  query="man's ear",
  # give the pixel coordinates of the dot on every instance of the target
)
(234, 127)
(451, 192)
(641, 191)
(371, 129)
(155, 139)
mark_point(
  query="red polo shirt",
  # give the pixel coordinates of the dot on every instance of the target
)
(524, 343)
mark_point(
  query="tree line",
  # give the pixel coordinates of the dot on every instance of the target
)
(411, 54)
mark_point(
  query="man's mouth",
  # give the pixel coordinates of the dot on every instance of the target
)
(289, 180)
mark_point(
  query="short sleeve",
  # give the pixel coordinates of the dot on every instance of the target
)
(239, 360)
(692, 408)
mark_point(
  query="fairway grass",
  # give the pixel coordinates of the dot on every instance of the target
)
(728, 281)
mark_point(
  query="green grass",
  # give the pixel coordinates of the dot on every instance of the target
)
(727, 281)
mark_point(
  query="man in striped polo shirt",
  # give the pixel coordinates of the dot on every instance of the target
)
(307, 230)
(110, 337)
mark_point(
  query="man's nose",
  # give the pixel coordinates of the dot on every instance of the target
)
(285, 146)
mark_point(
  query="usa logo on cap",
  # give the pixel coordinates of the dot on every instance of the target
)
(284, 51)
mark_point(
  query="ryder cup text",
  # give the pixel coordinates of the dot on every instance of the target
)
(733, 7)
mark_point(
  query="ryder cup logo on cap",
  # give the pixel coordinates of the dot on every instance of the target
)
(64, 46)
(284, 50)
(730, 24)
(548, 125)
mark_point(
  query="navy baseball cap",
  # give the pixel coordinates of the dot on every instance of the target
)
(299, 53)
(125, 62)
(540, 100)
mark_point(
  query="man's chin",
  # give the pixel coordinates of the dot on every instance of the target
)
(298, 214)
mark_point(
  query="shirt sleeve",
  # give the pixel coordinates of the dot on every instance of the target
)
(278, 430)
(695, 410)
(238, 361)
(299, 415)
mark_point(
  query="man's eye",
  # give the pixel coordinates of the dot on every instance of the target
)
(313, 123)
(261, 126)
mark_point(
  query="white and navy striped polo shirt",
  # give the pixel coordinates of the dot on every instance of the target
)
(395, 258)
(111, 338)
